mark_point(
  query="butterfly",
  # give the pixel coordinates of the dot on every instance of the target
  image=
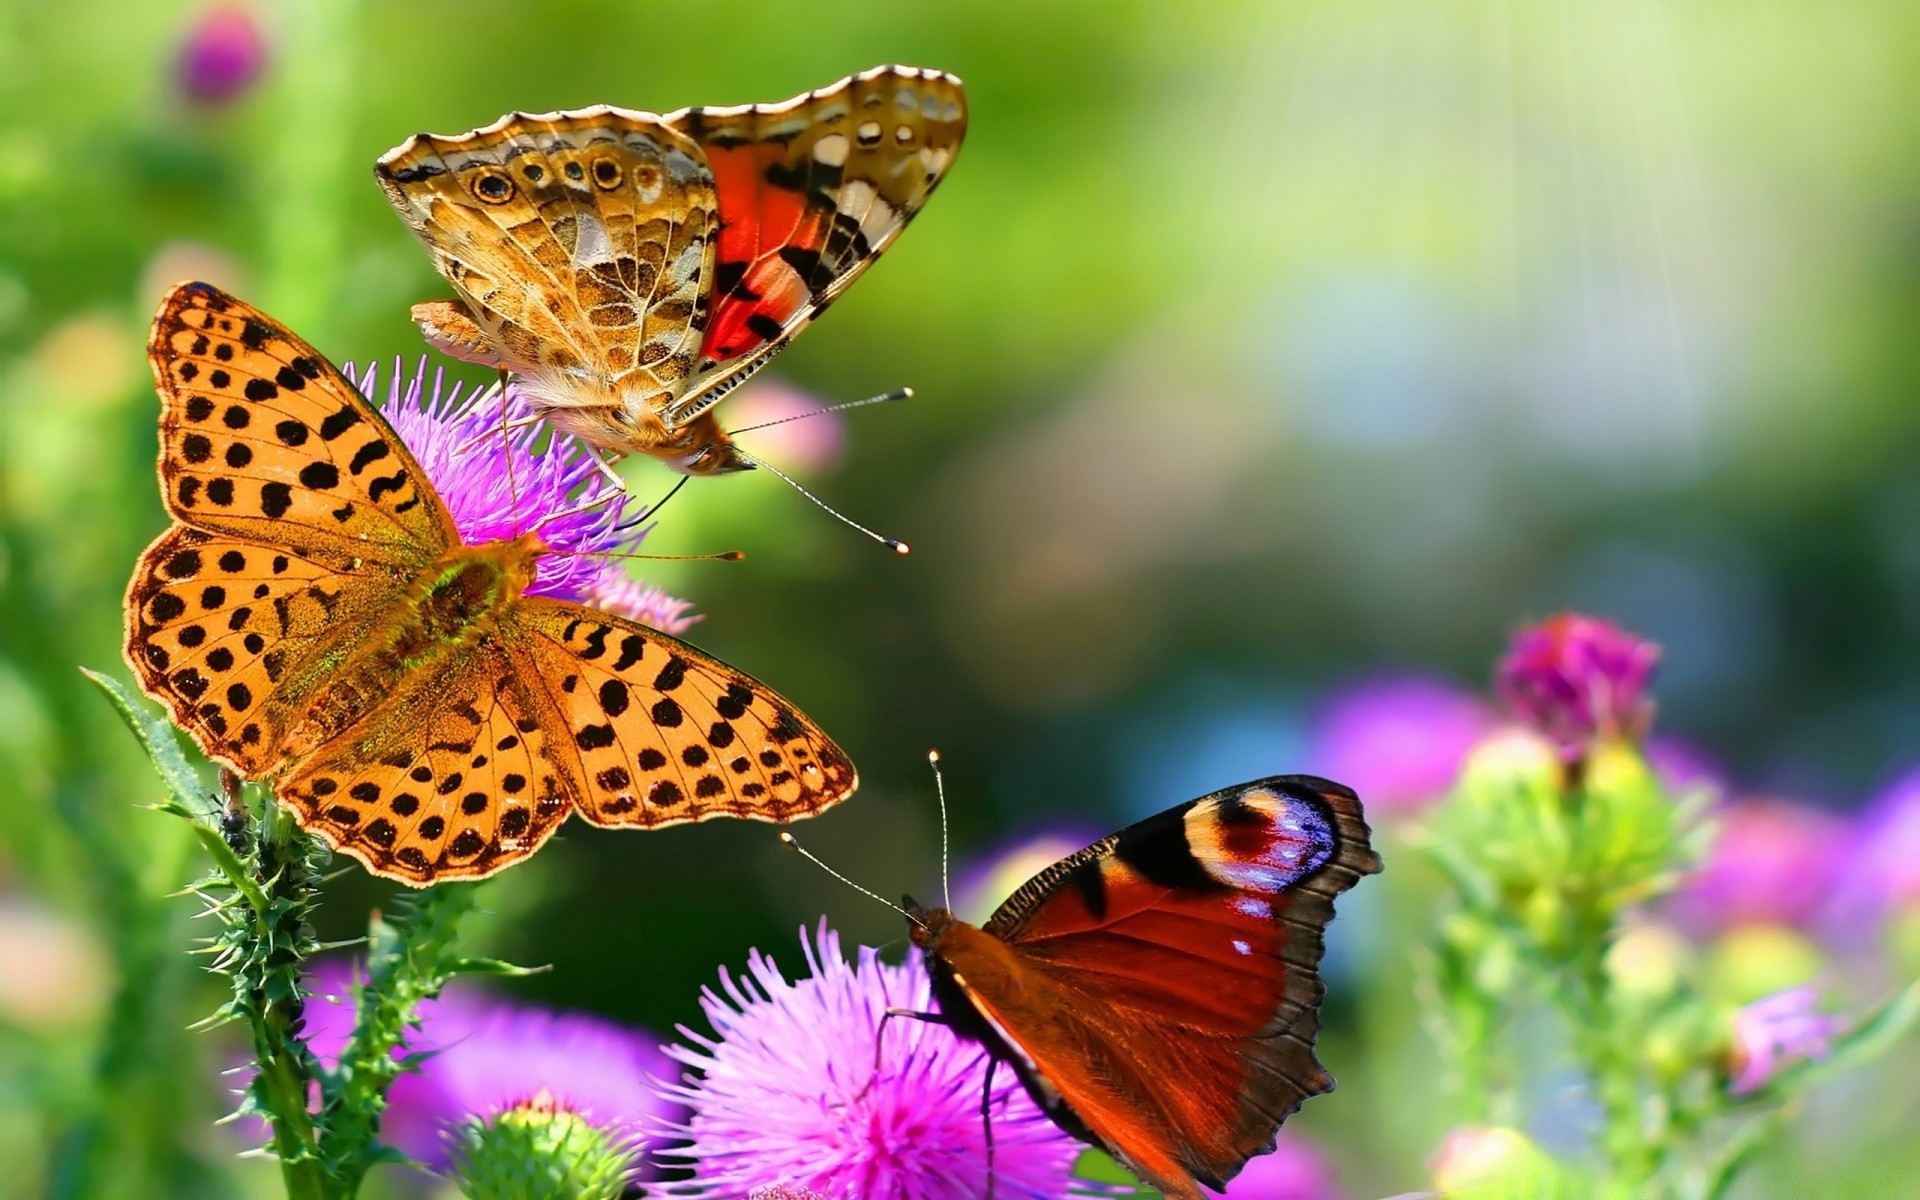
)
(314, 616)
(632, 269)
(1158, 992)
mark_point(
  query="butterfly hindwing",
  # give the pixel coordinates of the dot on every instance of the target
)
(658, 733)
(811, 191)
(448, 778)
(580, 242)
(1183, 952)
(261, 438)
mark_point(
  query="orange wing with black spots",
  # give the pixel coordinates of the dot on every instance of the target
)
(658, 733)
(313, 617)
(261, 438)
(811, 191)
(450, 778)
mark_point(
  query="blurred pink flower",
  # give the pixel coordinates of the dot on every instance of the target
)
(1883, 873)
(1684, 767)
(1772, 862)
(1398, 740)
(984, 881)
(224, 52)
(810, 445)
(1575, 678)
(1772, 1033)
(484, 1055)
(1296, 1170)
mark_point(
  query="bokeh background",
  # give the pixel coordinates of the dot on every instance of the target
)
(1262, 351)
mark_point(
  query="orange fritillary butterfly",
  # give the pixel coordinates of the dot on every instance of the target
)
(314, 616)
(632, 269)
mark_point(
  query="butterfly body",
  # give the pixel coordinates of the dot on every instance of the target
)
(632, 268)
(1157, 993)
(315, 617)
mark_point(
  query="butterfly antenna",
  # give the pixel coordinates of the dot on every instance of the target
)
(787, 839)
(506, 453)
(883, 398)
(894, 544)
(940, 790)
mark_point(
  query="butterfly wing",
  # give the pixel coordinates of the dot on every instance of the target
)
(654, 732)
(451, 777)
(580, 243)
(811, 191)
(1178, 962)
(300, 520)
(262, 439)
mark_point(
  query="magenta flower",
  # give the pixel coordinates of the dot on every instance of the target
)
(785, 1093)
(1772, 862)
(1295, 1170)
(624, 596)
(222, 55)
(552, 488)
(485, 1055)
(1575, 678)
(1770, 1034)
(1398, 740)
(1883, 874)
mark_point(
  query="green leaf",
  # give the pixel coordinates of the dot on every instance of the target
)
(190, 795)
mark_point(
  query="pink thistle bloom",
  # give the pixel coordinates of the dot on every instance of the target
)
(1576, 678)
(786, 1094)
(1773, 1032)
(637, 600)
(483, 1056)
(1296, 1170)
(222, 55)
(1398, 740)
(443, 426)
(1772, 862)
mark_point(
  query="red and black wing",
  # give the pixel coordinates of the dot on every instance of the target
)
(811, 191)
(1180, 958)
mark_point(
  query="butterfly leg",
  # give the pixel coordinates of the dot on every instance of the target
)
(881, 1029)
(986, 1118)
(606, 468)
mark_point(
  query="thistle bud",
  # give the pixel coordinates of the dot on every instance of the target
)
(540, 1147)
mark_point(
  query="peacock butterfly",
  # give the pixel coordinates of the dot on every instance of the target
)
(1158, 992)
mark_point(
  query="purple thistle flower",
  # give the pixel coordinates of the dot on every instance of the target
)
(1576, 678)
(638, 600)
(1398, 740)
(1773, 1032)
(1296, 1170)
(443, 428)
(486, 1055)
(222, 55)
(787, 1094)
(1772, 862)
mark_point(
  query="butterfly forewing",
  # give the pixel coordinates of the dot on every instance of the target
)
(261, 438)
(449, 778)
(235, 636)
(580, 241)
(658, 733)
(1178, 961)
(811, 191)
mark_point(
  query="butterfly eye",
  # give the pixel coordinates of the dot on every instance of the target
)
(493, 187)
(606, 173)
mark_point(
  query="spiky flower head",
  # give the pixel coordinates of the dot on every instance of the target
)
(499, 485)
(1577, 679)
(786, 1093)
(1772, 1033)
(637, 600)
(541, 1147)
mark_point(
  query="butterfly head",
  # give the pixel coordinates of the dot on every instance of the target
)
(926, 926)
(701, 447)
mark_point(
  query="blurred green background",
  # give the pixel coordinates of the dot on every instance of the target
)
(1257, 347)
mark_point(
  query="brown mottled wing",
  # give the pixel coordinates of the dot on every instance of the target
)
(447, 779)
(811, 191)
(235, 637)
(657, 733)
(580, 243)
(1183, 954)
(262, 439)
